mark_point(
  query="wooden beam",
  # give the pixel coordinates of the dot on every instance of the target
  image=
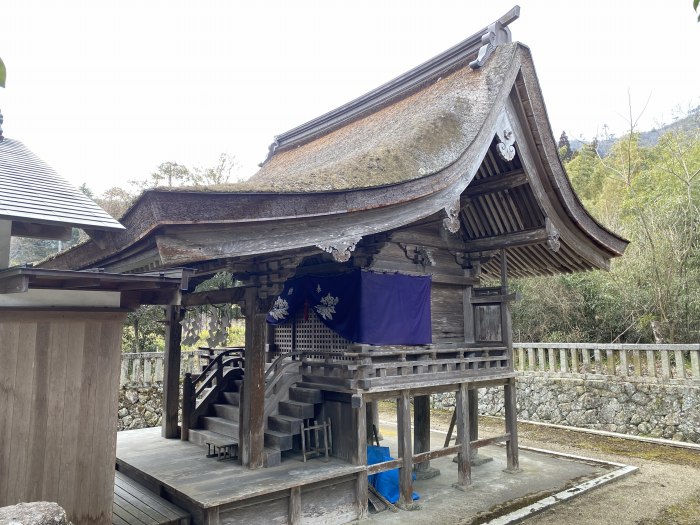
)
(41, 231)
(98, 237)
(227, 296)
(5, 236)
(508, 240)
(506, 181)
(429, 241)
(171, 370)
(15, 284)
(252, 422)
(473, 402)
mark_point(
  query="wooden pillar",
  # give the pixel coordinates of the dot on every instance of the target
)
(421, 428)
(511, 426)
(5, 235)
(509, 394)
(359, 453)
(294, 514)
(403, 408)
(473, 401)
(464, 467)
(468, 309)
(171, 370)
(421, 436)
(252, 425)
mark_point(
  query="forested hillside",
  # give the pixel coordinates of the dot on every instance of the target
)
(651, 196)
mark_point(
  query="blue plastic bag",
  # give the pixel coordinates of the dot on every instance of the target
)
(386, 483)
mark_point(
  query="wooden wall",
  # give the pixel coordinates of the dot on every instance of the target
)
(59, 383)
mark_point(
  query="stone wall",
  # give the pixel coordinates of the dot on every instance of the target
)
(140, 407)
(664, 409)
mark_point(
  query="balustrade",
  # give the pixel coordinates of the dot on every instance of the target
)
(679, 361)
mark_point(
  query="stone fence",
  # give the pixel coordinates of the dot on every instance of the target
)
(146, 368)
(648, 390)
(592, 360)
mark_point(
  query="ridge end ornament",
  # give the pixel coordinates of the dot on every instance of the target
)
(552, 236)
(342, 249)
(451, 222)
(496, 33)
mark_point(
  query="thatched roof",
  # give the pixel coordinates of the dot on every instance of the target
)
(415, 137)
(407, 159)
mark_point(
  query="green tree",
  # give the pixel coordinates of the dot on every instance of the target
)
(564, 146)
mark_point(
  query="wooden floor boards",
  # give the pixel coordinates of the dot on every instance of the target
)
(135, 505)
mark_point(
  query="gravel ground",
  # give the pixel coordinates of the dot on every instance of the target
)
(665, 490)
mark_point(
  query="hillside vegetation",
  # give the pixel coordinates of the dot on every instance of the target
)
(649, 194)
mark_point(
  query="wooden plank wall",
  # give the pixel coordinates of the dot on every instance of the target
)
(59, 384)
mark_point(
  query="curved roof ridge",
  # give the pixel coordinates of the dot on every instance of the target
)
(403, 85)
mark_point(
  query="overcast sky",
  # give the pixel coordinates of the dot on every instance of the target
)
(106, 91)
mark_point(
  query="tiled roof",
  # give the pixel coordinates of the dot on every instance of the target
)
(31, 191)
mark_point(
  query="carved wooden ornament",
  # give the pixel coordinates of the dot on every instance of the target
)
(451, 222)
(506, 140)
(341, 249)
(552, 236)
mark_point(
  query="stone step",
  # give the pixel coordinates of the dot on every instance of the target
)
(305, 395)
(226, 411)
(278, 440)
(288, 424)
(296, 409)
(233, 398)
(220, 425)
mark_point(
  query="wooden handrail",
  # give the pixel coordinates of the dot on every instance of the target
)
(217, 365)
(194, 386)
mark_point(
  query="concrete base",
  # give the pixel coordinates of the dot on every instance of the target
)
(477, 461)
(428, 473)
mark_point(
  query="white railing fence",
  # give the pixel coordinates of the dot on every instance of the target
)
(677, 361)
(146, 368)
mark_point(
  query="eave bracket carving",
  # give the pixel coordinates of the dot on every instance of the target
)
(341, 249)
(451, 222)
(552, 236)
(506, 140)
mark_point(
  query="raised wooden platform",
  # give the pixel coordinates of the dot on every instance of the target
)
(219, 492)
(136, 505)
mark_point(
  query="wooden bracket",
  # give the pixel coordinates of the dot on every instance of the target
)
(340, 249)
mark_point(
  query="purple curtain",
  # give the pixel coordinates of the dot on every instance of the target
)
(362, 306)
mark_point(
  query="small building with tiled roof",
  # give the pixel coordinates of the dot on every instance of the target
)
(36, 202)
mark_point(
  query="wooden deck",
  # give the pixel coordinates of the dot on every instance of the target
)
(206, 487)
(136, 505)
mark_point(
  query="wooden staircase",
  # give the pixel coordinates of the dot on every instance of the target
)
(286, 408)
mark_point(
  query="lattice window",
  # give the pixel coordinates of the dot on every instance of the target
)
(311, 336)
